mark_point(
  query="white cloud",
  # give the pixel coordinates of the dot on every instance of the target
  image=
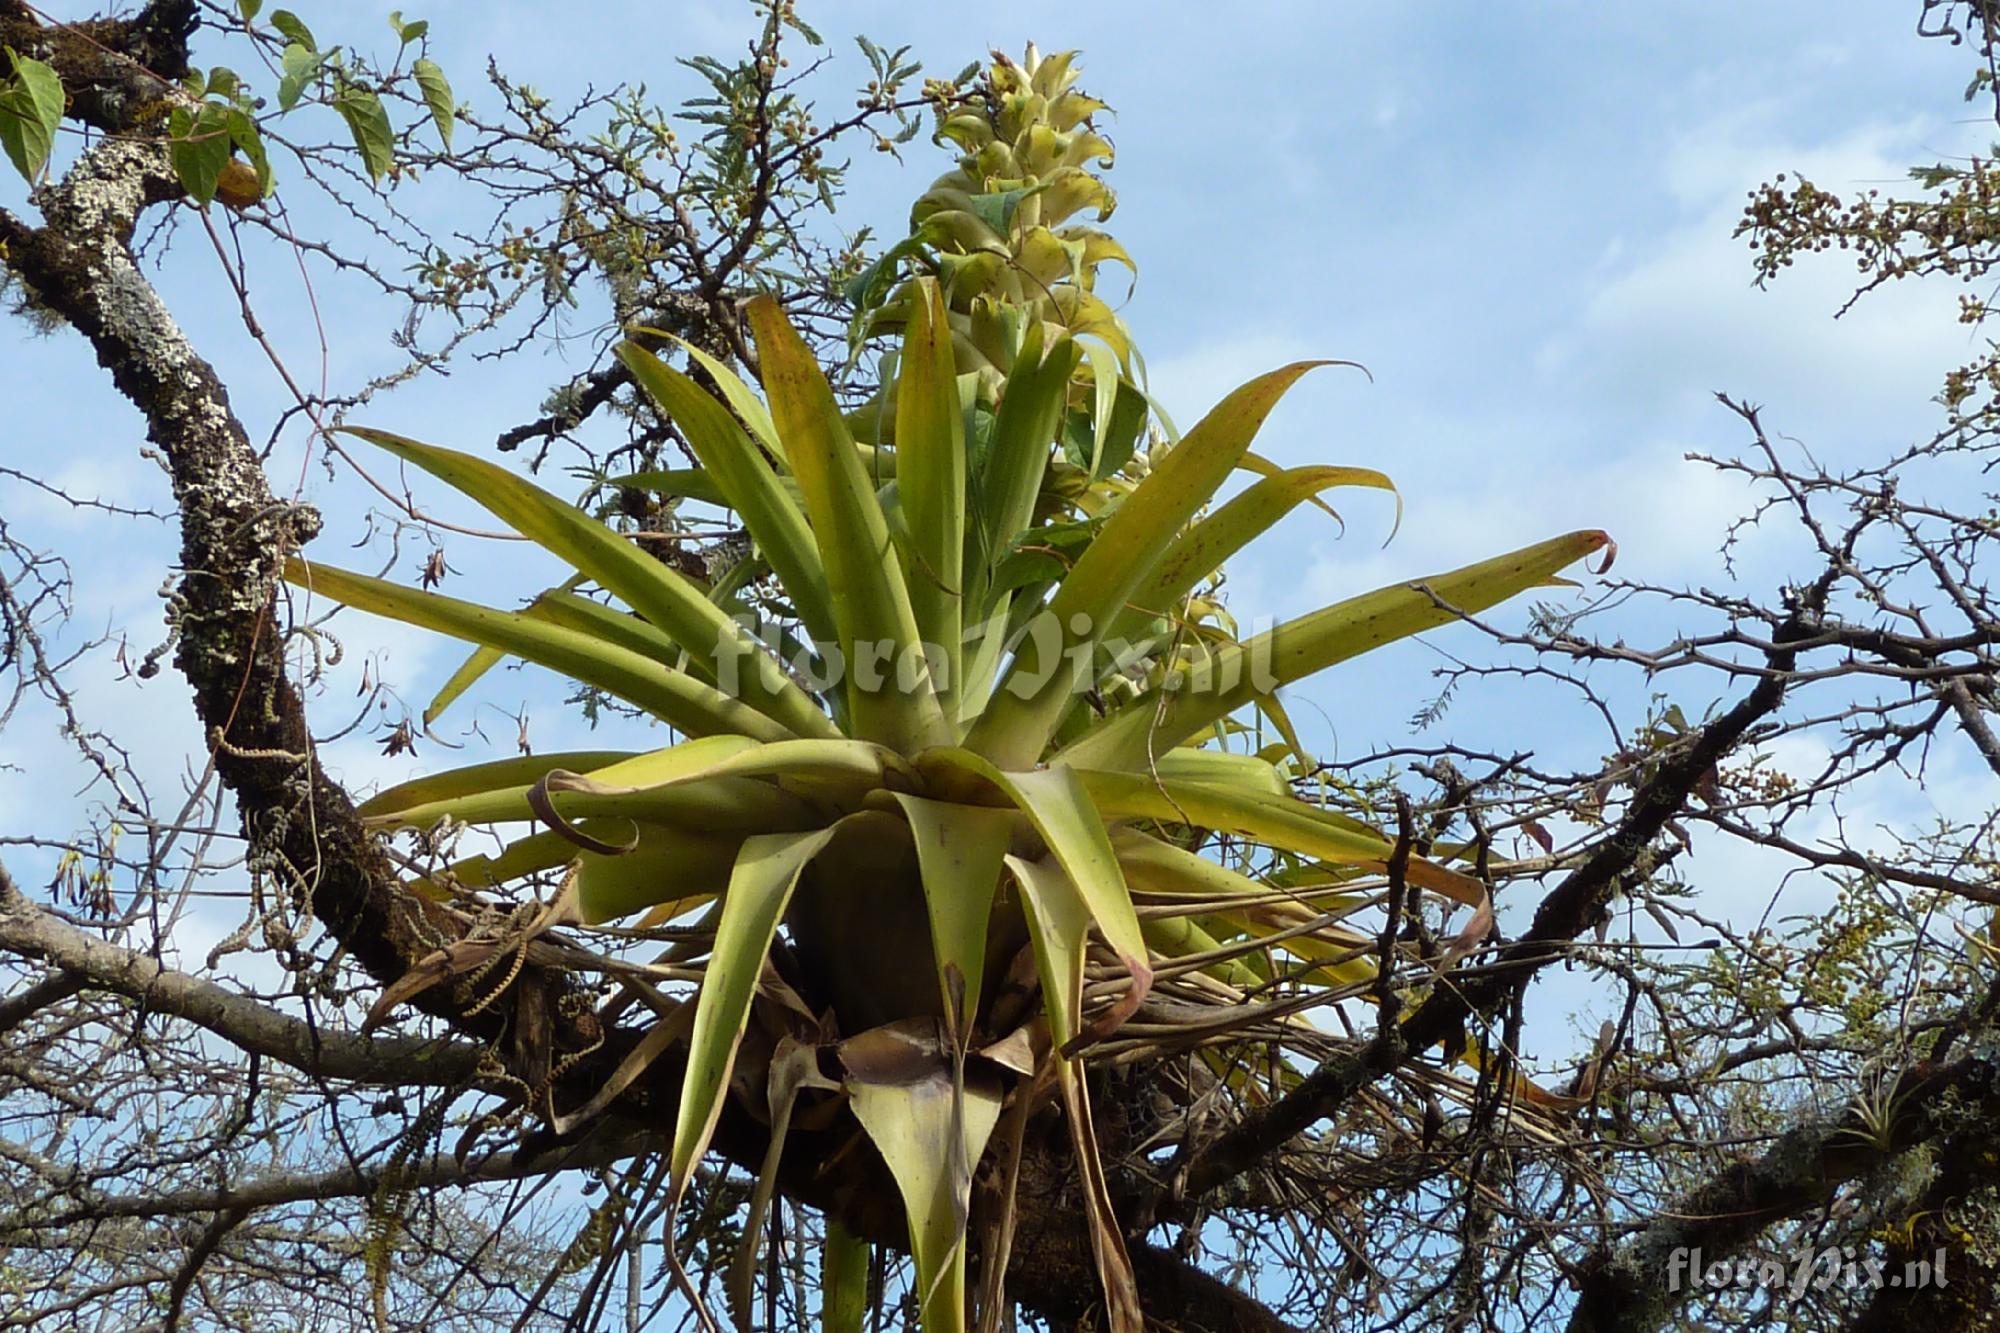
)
(1681, 317)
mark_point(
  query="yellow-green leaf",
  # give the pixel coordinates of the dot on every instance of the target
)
(1298, 648)
(930, 1133)
(747, 482)
(843, 1282)
(958, 853)
(767, 870)
(683, 865)
(521, 772)
(694, 706)
(719, 649)
(1199, 551)
(930, 478)
(1278, 821)
(1060, 808)
(437, 96)
(893, 703)
(1034, 693)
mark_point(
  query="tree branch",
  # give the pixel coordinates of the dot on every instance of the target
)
(301, 825)
(87, 962)
(1625, 1289)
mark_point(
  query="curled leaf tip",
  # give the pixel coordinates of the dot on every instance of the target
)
(539, 800)
(1610, 553)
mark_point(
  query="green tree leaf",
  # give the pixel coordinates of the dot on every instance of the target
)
(200, 149)
(301, 66)
(407, 32)
(437, 94)
(31, 107)
(369, 124)
(288, 23)
(243, 132)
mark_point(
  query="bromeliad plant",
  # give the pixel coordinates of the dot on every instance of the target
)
(938, 820)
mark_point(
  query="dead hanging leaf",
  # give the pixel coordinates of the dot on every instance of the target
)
(1471, 936)
(1020, 1050)
(651, 1046)
(1593, 1068)
(1107, 1241)
(1543, 839)
(1666, 923)
(468, 955)
(794, 1067)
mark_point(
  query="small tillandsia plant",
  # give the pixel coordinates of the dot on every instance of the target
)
(929, 782)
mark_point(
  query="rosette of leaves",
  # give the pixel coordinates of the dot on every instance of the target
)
(929, 877)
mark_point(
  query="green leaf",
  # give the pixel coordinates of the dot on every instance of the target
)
(843, 1283)
(498, 774)
(1058, 921)
(1015, 729)
(249, 9)
(686, 785)
(1273, 820)
(243, 132)
(694, 706)
(959, 848)
(668, 864)
(719, 648)
(1245, 772)
(871, 601)
(1059, 924)
(558, 608)
(930, 477)
(929, 1132)
(839, 772)
(407, 32)
(1202, 549)
(997, 210)
(481, 661)
(31, 109)
(436, 89)
(868, 289)
(1023, 432)
(369, 124)
(750, 410)
(1059, 806)
(301, 65)
(1119, 411)
(1311, 643)
(199, 149)
(604, 622)
(766, 871)
(682, 483)
(498, 790)
(288, 23)
(745, 482)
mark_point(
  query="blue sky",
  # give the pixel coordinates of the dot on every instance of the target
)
(1517, 216)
